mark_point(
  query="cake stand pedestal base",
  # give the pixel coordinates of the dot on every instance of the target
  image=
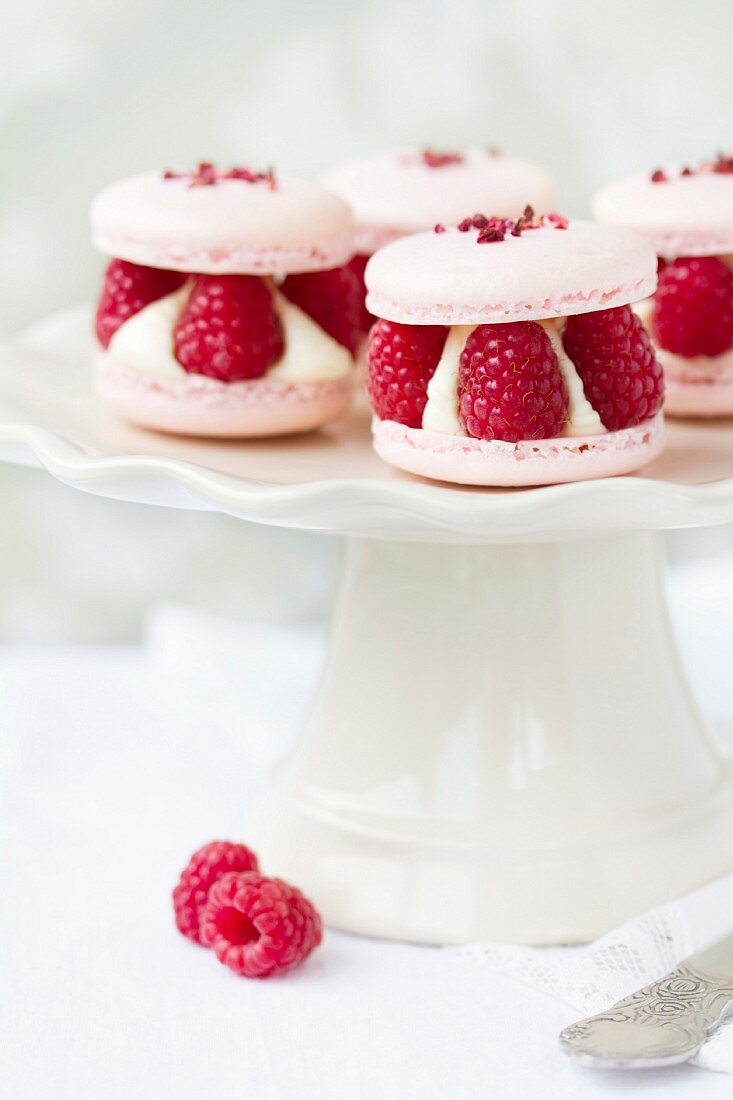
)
(502, 746)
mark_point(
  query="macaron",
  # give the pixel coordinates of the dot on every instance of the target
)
(228, 307)
(394, 194)
(686, 214)
(506, 352)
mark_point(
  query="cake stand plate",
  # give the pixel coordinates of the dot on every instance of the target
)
(502, 744)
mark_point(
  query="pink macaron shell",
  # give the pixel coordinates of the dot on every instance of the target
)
(466, 461)
(451, 279)
(232, 226)
(396, 193)
(680, 216)
(697, 387)
(201, 406)
(369, 238)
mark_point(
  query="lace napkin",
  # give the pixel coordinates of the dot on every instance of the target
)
(593, 977)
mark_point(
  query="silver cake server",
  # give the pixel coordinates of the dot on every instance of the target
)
(662, 1024)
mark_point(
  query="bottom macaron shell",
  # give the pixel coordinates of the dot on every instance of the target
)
(697, 388)
(467, 461)
(201, 406)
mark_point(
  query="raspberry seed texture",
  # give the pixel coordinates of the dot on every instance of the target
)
(205, 867)
(334, 299)
(615, 359)
(259, 926)
(402, 360)
(127, 288)
(693, 307)
(229, 329)
(510, 385)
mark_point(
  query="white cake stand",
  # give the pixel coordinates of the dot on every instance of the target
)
(502, 744)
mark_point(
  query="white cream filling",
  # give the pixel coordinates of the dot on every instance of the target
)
(145, 343)
(441, 410)
(582, 417)
(310, 355)
(695, 366)
(643, 311)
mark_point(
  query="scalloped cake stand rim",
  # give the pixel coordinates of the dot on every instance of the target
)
(34, 421)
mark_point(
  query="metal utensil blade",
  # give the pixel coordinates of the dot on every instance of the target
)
(664, 1023)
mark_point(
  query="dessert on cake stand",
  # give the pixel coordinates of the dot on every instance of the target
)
(502, 744)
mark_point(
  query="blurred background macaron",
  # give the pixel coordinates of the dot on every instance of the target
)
(686, 214)
(398, 193)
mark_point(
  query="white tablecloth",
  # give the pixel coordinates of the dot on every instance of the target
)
(114, 765)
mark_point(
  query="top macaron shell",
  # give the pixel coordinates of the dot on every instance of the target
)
(450, 279)
(232, 226)
(688, 215)
(398, 193)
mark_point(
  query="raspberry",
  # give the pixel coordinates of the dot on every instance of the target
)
(357, 264)
(126, 289)
(615, 359)
(402, 360)
(334, 299)
(205, 867)
(259, 926)
(229, 328)
(693, 307)
(510, 385)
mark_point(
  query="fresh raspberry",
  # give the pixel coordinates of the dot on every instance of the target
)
(126, 289)
(402, 360)
(229, 328)
(205, 867)
(357, 264)
(510, 385)
(693, 307)
(614, 357)
(334, 299)
(259, 926)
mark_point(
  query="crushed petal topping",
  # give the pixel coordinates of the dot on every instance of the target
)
(721, 165)
(441, 158)
(491, 230)
(207, 174)
(434, 158)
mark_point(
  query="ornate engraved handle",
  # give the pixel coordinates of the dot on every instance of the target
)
(663, 1023)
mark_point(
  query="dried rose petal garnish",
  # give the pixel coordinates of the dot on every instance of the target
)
(207, 174)
(722, 165)
(433, 158)
(495, 229)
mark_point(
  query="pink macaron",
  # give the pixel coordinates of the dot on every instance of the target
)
(686, 213)
(506, 352)
(394, 194)
(229, 307)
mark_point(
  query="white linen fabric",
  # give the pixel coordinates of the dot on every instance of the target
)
(596, 975)
(115, 763)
